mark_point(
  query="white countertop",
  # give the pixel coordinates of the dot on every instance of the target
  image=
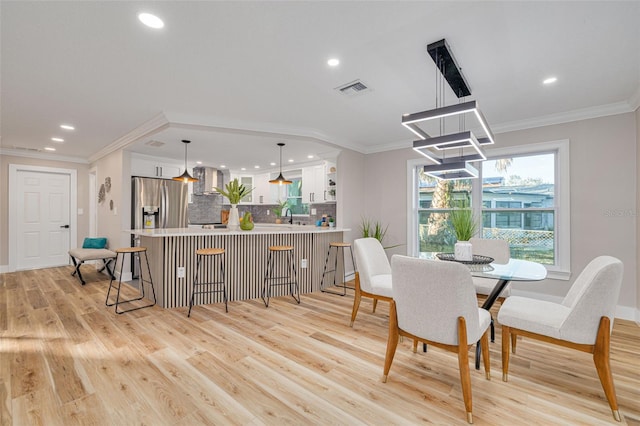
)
(260, 228)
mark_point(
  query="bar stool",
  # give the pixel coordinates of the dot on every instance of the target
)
(211, 286)
(269, 278)
(340, 247)
(136, 252)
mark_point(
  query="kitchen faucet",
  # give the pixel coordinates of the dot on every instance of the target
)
(290, 214)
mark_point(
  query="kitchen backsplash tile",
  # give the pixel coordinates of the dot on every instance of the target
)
(207, 209)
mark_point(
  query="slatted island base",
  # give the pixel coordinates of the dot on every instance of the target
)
(245, 259)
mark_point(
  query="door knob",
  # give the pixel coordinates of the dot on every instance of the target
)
(64, 226)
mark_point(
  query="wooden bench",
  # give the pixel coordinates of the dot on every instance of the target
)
(81, 255)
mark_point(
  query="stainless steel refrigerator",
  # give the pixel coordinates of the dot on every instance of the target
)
(158, 203)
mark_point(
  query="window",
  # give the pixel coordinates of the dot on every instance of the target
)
(521, 196)
(294, 197)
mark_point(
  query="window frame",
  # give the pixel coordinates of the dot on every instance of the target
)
(562, 268)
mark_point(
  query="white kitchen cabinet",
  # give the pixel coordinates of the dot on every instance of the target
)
(313, 184)
(262, 189)
(149, 167)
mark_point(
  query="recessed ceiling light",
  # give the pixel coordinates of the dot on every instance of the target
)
(550, 80)
(291, 160)
(57, 139)
(222, 166)
(67, 127)
(150, 20)
(243, 168)
(333, 62)
(48, 148)
(309, 156)
(198, 162)
(256, 167)
(272, 163)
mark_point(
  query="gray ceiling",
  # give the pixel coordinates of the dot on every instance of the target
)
(249, 74)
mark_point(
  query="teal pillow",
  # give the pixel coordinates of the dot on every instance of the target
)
(94, 243)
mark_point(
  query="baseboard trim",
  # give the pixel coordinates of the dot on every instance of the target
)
(4, 269)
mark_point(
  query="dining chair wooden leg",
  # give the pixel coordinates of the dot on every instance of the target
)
(514, 340)
(506, 334)
(485, 354)
(375, 303)
(463, 364)
(357, 296)
(392, 341)
(415, 345)
(603, 366)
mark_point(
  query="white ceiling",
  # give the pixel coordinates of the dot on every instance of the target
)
(238, 77)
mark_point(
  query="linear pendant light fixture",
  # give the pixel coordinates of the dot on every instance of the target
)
(435, 147)
(280, 180)
(185, 177)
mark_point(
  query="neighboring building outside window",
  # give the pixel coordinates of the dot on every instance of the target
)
(516, 198)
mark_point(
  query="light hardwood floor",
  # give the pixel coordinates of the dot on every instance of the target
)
(67, 359)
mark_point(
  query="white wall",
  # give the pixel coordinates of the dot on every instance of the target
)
(603, 180)
(637, 318)
(114, 223)
(351, 192)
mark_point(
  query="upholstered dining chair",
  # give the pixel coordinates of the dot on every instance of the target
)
(500, 252)
(373, 276)
(583, 320)
(435, 302)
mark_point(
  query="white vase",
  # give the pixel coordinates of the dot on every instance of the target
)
(463, 251)
(234, 218)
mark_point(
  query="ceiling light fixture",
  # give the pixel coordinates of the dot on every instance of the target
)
(549, 80)
(185, 177)
(48, 148)
(150, 20)
(67, 127)
(280, 180)
(333, 62)
(435, 147)
(57, 139)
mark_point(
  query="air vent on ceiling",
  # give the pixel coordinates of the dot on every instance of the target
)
(355, 87)
(155, 144)
(24, 148)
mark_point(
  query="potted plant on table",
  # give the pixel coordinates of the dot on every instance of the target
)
(235, 192)
(464, 226)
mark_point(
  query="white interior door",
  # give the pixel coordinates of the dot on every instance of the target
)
(42, 219)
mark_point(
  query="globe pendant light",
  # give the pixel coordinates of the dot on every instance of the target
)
(185, 177)
(280, 180)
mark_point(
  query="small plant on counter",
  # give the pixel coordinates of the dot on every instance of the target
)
(235, 191)
(277, 210)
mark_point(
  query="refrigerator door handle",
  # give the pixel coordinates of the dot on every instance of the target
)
(163, 206)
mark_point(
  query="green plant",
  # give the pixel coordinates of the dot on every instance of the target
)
(463, 223)
(373, 229)
(235, 191)
(280, 207)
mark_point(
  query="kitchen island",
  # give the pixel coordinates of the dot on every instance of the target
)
(245, 259)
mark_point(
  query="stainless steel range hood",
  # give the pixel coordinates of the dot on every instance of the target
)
(208, 179)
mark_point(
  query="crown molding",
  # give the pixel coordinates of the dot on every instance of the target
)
(41, 155)
(150, 127)
(185, 121)
(565, 117)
